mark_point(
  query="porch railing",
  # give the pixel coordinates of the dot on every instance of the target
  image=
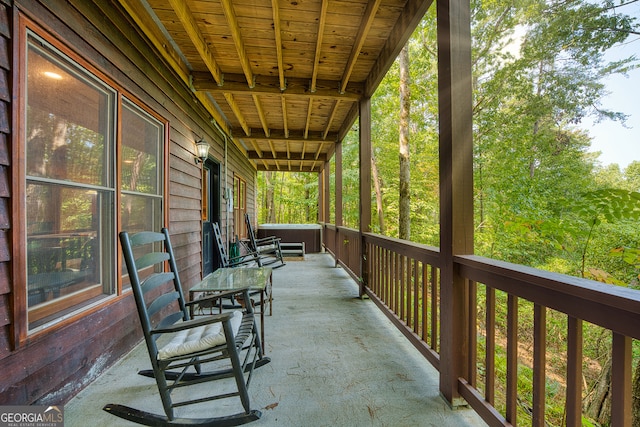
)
(507, 306)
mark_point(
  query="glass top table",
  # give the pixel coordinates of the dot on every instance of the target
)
(229, 279)
(257, 279)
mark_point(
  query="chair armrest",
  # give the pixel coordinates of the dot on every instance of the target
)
(242, 259)
(270, 239)
(194, 323)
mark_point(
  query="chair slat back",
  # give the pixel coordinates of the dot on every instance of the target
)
(252, 236)
(146, 255)
(222, 250)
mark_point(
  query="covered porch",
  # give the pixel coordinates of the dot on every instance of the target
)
(336, 360)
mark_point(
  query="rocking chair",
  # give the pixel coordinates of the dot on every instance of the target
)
(176, 342)
(226, 262)
(267, 249)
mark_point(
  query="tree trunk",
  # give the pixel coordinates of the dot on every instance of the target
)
(635, 397)
(378, 190)
(404, 229)
(597, 404)
(270, 199)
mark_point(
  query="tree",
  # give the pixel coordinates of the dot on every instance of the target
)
(405, 165)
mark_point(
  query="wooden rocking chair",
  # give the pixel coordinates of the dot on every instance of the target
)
(267, 249)
(228, 340)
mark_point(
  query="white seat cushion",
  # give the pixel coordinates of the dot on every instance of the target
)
(198, 339)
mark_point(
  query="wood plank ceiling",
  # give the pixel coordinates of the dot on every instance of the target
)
(283, 77)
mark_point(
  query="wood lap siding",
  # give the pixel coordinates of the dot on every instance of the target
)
(52, 367)
(5, 183)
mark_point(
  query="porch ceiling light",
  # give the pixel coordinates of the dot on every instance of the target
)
(202, 150)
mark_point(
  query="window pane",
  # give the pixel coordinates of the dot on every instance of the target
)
(69, 119)
(142, 138)
(140, 213)
(70, 199)
(66, 246)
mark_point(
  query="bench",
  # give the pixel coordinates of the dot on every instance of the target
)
(292, 250)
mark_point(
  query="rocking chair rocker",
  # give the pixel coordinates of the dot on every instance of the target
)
(230, 336)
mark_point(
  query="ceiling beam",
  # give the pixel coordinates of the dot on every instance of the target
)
(280, 135)
(296, 87)
(281, 155)
(277, 167)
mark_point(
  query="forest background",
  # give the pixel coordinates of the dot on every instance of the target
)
(542, 198)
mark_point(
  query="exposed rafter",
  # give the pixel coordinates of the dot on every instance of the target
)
(316, 60)
(279, 74)
(363, 31)
(331, 117)
(232, 20)
(277, 29)
(285, 126)
(238, 113)
(308, 121)
(191, 27)
(263, 118)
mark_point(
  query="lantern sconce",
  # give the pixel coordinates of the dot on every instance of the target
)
(202, 151)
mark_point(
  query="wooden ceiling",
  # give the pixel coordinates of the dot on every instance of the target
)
(283, 77)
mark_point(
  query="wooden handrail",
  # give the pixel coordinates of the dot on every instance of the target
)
(403, 280)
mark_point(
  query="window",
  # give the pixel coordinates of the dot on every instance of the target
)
(70, 144)
(239, 205)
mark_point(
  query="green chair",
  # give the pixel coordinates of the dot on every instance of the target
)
(180, 347)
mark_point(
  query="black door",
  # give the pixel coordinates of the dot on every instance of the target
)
(210, 213)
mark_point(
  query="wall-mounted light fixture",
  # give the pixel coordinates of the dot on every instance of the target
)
(202, 151)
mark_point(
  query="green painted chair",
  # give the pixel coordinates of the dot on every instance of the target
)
(180, 347)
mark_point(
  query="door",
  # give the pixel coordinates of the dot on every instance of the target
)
(210, 213)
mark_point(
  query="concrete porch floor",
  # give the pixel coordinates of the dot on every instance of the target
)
(336, 360)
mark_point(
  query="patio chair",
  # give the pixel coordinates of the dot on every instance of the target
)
(176, 343)
(267, 249)
(246, 260)
(249, 258)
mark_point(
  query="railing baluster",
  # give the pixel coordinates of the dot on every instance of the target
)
(490, 347)
(403, 283)
(573, 402)
(426, 298)
(472, 374)
(416, 296)
(621, 385)
(435, 303)
(512, 359)
(396, 272)
(539, 363)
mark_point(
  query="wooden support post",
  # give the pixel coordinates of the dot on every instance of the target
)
(321, 200)
(338, 196)
(365, 183)
(327, 192)
(456, 186)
